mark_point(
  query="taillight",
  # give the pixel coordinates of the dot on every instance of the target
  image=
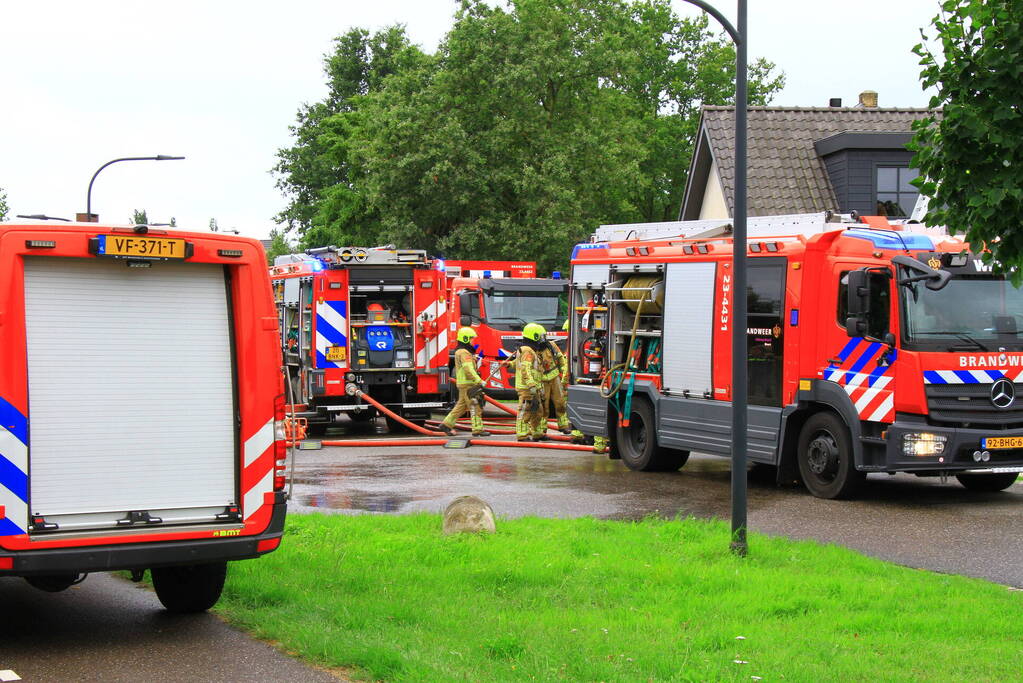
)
(6, 563)
(267, 544)
(280, 445)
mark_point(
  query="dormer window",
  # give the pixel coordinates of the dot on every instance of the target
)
(895, 196)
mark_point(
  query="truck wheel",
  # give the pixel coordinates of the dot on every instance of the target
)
(316, 429)
(996, 481)
(637, 443)
(825, 458)
(189, 588)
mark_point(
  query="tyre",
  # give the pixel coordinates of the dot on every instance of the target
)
(825, 458)
(637, 443)
(190, 588)
(996, 481)
(316, 429)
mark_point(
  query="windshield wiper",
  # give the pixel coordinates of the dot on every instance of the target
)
(961, 335)
(506, 318)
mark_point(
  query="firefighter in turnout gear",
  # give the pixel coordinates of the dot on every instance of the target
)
(470, 387)
(553, 375)
(527, 382)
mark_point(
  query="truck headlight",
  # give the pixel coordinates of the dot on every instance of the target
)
(922, 443)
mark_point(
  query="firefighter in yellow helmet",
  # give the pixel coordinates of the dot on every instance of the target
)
(470, 387)
(527, 382)
(553, 375)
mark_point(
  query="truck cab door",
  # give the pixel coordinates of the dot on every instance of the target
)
(765, 328)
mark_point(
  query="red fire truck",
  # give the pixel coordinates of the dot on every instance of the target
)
(363, 320)
(872, 348)
(141, 407)
(497, 298)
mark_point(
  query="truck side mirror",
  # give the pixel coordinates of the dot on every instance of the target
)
(855, 326)
(857, 302)
(859, 292)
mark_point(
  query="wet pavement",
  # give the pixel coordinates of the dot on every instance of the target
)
(108, 629)
(905, 519)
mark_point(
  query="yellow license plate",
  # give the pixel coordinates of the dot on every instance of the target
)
(997, 442)
(336, 353)
(142, 247)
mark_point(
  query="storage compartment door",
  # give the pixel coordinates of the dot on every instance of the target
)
(131, 392)
(687, 329)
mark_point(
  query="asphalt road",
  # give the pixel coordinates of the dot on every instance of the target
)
(108, 629)
(905, 519)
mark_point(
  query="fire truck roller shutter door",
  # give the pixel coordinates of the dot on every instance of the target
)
(131, 391)
(688, 328)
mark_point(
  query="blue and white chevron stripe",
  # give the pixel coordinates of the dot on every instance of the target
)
(13, 470)
(969, 376)
(331, 330)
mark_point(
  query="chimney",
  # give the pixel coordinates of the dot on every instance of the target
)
(868, 99)
(835, 102)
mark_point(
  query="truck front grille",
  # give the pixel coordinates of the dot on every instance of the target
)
(964, 405)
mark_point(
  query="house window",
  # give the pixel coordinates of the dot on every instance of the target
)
(895, 196)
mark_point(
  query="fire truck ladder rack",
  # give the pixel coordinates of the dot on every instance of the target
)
(757, 226)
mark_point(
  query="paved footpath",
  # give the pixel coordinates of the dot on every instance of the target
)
(109, 629)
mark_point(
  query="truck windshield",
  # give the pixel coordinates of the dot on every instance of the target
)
(512, 310)
(974, 312)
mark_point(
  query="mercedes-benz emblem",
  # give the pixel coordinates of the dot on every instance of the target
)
(1003, 393)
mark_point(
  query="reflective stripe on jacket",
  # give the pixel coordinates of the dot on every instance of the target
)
(526, 369)
(465, 368)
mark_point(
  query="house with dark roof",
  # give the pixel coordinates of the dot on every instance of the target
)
(806, 160)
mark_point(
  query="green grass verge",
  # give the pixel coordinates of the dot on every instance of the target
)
(388, 597)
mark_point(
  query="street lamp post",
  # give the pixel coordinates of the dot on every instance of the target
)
(740, 391)
(88, 197)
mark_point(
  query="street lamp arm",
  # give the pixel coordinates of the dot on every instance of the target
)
(736, 36)
(88, 197)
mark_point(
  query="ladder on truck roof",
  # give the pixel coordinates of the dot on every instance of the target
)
(756, 226)
(805, 224)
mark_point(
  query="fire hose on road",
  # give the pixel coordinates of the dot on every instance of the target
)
(384, 410)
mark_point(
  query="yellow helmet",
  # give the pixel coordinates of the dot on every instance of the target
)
(534, 332)
(466, 335)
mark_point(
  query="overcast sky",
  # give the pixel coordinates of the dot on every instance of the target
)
(219, 82)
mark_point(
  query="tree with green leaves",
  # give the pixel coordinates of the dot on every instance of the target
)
(320, 158)
(279, 245)
(3, 205)
(971, 155)
(531, 125)
(138, 217)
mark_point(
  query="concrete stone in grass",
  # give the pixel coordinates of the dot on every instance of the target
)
(468, 514)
